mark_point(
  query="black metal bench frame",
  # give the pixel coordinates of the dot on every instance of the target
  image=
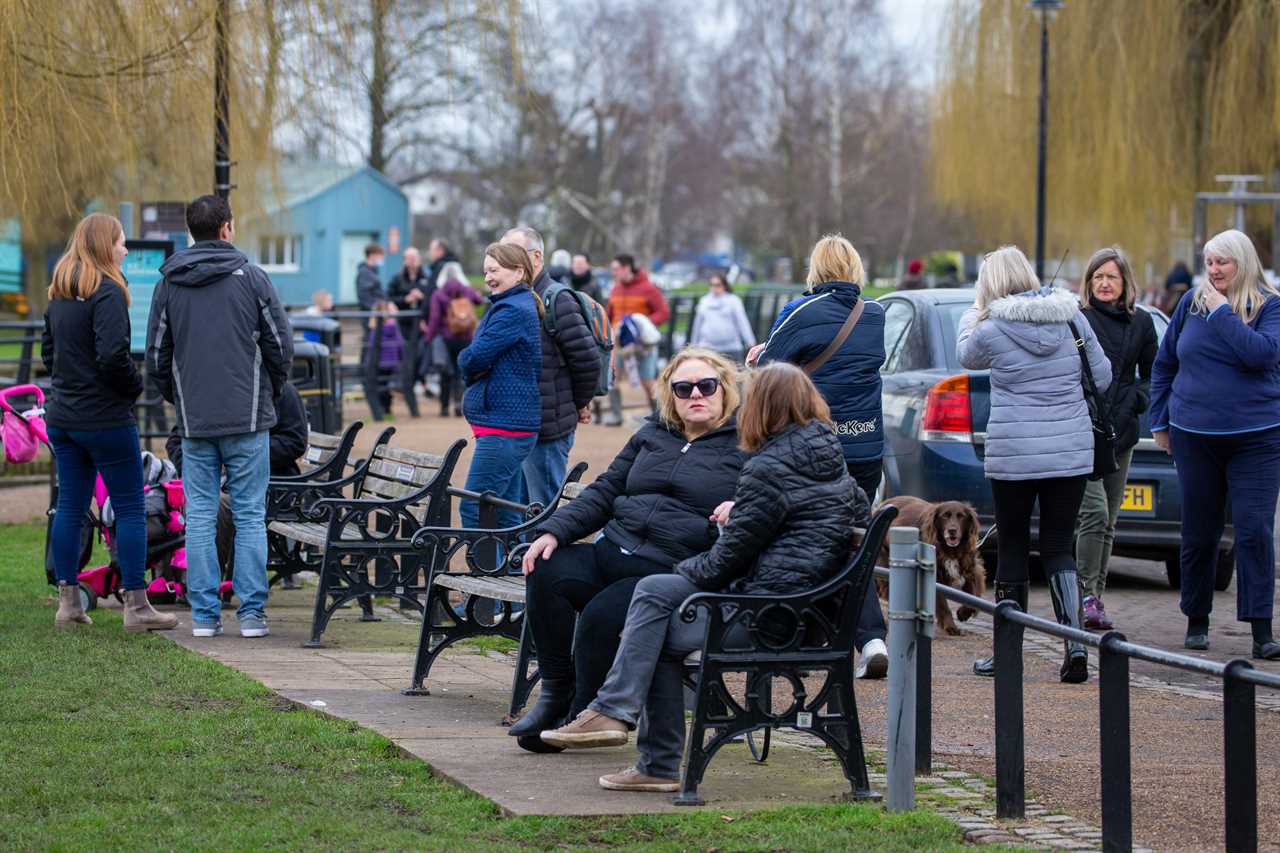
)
(788, 637)
(491, 555)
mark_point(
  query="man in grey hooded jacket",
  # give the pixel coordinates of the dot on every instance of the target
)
(219, 348)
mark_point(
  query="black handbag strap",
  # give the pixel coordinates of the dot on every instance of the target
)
(1086, 372)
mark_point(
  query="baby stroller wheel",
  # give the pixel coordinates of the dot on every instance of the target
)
(88, 598)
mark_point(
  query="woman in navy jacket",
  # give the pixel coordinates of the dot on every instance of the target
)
(1215, 404)
(850, 383)
(85, 348)
(500, 369)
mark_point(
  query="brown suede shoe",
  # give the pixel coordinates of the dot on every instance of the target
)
(590, 729)
(632, 779)
(70, 610)
(139, 616)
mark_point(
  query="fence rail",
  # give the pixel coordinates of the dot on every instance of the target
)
(910, 702)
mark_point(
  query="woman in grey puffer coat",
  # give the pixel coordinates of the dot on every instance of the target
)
(721, 323)
(1039, 436)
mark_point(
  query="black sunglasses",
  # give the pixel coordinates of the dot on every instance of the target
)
(706, 387)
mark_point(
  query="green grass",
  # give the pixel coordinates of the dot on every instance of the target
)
(120, 741)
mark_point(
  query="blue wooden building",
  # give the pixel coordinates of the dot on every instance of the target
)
(318, 218)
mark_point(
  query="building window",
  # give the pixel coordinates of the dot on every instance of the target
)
(280, 253)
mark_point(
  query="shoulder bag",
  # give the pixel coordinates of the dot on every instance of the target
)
(1104, 432)
(841, 336)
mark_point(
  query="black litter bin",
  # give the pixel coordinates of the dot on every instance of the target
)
(315, 378)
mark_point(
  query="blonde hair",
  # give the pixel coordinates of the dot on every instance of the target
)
(1004, 272)
(726, 372)
(834, 259)
(1128, 289)
(89, 258)
(1249, 289)
(512, 257)
(779, 396)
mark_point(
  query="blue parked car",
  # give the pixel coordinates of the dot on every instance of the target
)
(935, 419)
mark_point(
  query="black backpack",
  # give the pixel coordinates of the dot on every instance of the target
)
(597, 320)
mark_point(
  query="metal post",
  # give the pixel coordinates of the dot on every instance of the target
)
(1113, 718)
(926, 596)
(1011, 772)
(1240, 759)
(1040, 154)
(221, 106)
(900, 788)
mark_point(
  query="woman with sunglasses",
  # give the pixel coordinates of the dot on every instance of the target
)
(790, 530)
(658, 503)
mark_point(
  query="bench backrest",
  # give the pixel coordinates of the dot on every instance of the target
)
(321, 447)
(395, 473)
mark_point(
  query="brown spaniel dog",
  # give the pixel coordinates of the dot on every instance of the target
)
(951, 527)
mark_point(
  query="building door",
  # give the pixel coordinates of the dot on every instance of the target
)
(350, 256)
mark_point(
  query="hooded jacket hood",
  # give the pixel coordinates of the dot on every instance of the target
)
(811, 450)
(204, 263)
(1035, 319)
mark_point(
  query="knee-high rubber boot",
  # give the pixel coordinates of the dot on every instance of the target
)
(1017, 593)
(1064, 588)
(549, 712)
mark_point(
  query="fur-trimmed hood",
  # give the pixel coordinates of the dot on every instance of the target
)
(1036, 319)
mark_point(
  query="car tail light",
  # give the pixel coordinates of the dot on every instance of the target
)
(947, 416)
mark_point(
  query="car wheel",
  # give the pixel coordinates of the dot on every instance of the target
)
(1225, 568)
(1173, 570)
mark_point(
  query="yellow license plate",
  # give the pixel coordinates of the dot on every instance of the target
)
(1138, 498)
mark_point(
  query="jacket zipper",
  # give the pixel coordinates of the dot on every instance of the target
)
(671, 477)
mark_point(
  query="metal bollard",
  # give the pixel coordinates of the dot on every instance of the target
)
(900, 790)
(926, 598)
(1011, 772)
(1240, 759)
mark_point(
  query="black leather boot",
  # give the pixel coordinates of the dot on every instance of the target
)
(1015, 592)
(549, 712)
(1064, 588)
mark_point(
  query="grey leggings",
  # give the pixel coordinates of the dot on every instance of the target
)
(648, 670)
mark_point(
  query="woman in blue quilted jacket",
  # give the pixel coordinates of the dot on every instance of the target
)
(500, 370)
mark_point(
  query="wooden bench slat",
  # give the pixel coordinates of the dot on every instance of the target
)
(409, 457)
(310, 532)
(419, 475)
(324, 439)
(502, 588)
(572, 490)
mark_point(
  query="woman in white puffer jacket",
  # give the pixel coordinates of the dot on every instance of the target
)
(720, 323)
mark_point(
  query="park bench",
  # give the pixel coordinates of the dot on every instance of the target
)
(490, 592)
(763, 637)
(363, 544)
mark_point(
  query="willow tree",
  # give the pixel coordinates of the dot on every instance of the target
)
(1149, 100)
(122, 108)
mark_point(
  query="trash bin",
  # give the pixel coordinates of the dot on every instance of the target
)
(314, 377)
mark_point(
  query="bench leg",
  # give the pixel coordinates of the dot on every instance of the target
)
(843, 733)
(320, 616)
(524, 679)
(437, 602)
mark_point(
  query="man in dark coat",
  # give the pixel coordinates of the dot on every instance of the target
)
(410, 289)
(219, 348)
(570, 368)
(369, 289)
(582, 279)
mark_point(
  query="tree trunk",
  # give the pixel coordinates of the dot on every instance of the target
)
(379, 11)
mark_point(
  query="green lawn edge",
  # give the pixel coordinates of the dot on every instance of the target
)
(124, 741)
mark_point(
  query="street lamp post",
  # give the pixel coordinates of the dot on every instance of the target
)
(1046, 8)
(221, 109)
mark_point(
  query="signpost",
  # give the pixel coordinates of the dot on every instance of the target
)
(142, 269)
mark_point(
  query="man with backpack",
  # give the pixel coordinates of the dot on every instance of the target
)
(571, 369)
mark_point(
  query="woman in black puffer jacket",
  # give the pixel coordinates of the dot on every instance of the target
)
(1107, 299)
(790, 529)
(657, 504)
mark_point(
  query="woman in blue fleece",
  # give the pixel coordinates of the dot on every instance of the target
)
(1215, 405)
(500, 369)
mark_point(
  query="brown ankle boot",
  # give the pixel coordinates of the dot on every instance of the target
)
(139, 616)
(70, 610)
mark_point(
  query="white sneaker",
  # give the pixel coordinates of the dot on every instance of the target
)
(204, 629)
(874, 660)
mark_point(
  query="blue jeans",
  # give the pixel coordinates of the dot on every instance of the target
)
(247, 460)
(496, 467)
(544, 469)
(1211, 469)
(80, 456)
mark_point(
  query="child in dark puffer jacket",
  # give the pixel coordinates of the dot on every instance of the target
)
(790, 529)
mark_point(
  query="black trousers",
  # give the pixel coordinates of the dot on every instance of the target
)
(1059, 499)
(871, 624)
(594, 582)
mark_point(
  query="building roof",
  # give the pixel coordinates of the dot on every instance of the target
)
(295, 182)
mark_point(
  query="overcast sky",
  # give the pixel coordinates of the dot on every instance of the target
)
(914, 24)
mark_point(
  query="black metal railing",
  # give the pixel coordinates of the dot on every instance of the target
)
(1239, 720)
